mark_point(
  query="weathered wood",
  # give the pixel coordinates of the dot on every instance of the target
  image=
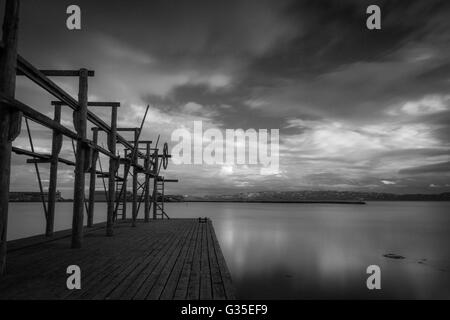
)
(162, 196)
(124, 186)
(205, 272)
(38, 173)
(147, 185)
(230, 291)
(168, 277)
(92, 176)
(143, 281)
(153, 261)
(38, 161)
(161, 263)
(155, 184)
(181, 290)
(92, 104)
(56, 148)
(9, 121)
(135, 179)
(113, 167)
(46, 158)
(193, 287)
(40, 79)
(38, 117)
(167, 291)
(218, 291)
(121, 275)
(61, 73)
(141, 142)
(80, 120)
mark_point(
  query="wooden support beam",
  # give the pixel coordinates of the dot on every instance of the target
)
(124, 195)
(60, 73)
(113, 167)
(155, 184)
(106, 175)
(47, 158)
(38, 117)
(162, 198)
(170, 180)
(90, 104)
(40, 79)
(90, 213)
(80, 121)
(135, 180)
(41, 156)
(56, 148)
(147, 185)
(142, 142)
(9, 121)
(39, 161)
(125, 129)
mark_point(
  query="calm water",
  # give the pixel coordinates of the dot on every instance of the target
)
(295, 251)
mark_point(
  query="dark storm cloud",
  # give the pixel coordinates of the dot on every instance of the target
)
(335, 67)
(354, 106)
(442, 167)
(331, 34)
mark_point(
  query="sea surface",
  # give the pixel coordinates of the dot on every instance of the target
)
(310, 251)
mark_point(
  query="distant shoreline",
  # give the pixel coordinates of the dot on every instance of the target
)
(272, 201)
(281, 201)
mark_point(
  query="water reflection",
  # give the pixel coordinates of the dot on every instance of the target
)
(308, 251)
(322, 251)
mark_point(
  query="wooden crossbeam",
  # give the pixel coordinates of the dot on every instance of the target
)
(60, 73)
(41, 80)
(38, 160)
(38, 117)
(90, 104)
(142, 142)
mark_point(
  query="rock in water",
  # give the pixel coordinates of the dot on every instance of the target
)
(393, 256)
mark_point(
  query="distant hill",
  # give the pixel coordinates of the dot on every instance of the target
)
(319, 196)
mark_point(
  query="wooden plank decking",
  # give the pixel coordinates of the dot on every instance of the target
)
(162, 259)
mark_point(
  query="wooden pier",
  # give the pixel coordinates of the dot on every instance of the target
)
(122, 258)
(161, 259)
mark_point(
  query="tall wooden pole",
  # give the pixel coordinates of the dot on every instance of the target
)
(80, 121)
(56, 148)
(10, 122)
(135, 179)
(147, 184)
(90, 213)
(155, 184)
(124, 194)
(113, 167)
(162, 197)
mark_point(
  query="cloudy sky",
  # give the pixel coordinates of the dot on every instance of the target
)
(356, 109)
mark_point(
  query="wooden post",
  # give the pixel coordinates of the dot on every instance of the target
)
(10, 122)
(135, 178)
(113, 166)
(155, 184)
(56, 148)
(124, 186)
(147, 184)
(93, 173)
(80, 120)
(162, 197)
